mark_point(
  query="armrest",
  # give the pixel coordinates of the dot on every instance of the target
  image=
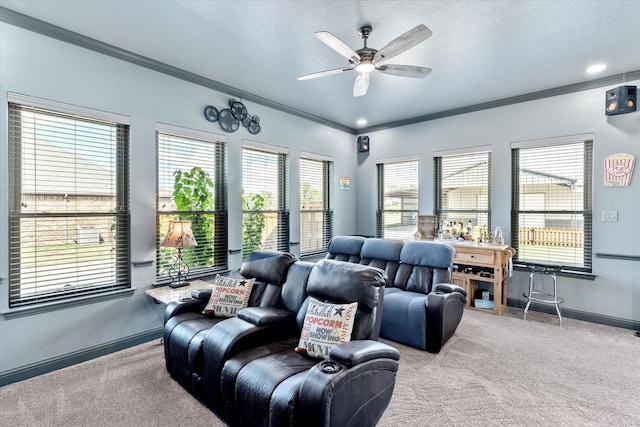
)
(448, 288)
(201, 294)
(353, 353)
(444, 312)
(188, 306)
(332, 389)
(263, 316)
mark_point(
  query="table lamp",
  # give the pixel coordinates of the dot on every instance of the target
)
(179, 236)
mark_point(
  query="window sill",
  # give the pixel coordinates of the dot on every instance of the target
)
(14, 313)
(563, 273)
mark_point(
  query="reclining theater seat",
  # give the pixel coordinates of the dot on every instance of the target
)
(185, 326)
(423, 309)
(266, 324)
(273, 385)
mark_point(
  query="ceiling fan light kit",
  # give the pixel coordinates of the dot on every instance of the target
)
(366, 60)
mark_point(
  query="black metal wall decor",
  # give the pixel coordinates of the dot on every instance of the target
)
(230, 118)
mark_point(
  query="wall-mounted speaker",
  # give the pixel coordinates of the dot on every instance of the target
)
(620, 100)
(363, 144)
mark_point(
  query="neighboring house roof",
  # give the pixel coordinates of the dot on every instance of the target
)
(528, 176)
(467, 177)
(57, 170)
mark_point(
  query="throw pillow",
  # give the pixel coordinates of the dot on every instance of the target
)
(325, 326)
(228, 296)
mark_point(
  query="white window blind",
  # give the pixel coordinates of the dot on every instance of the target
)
(316, 201)
(192, 186)
(551, 215)
(397, 200)
(265, 215)
(68, 204)
(463, 189)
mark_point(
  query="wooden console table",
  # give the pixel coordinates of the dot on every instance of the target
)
(491, 258)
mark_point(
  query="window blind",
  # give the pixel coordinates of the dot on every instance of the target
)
(397, 200)
(462, 190)
(265, 215)
(68, 204)
(551, 215)
(316, 201)
(192, 186)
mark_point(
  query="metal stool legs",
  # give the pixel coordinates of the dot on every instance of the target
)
(539, 296)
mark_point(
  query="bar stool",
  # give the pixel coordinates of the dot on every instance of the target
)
(549, 270)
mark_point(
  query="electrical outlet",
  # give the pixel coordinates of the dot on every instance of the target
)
(609, 216)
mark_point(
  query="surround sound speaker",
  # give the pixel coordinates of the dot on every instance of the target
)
(620, 100)
(363, 144)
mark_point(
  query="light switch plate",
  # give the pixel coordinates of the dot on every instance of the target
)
(609, 216)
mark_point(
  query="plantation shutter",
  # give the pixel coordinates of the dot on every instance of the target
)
(316, 222)
(265, 214)
(68, 201)
(552, 202)
(397, 200)
(192, 185)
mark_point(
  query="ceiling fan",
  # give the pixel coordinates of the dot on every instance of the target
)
(367, 59)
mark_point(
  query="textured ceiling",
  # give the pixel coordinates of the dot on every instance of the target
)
(480, 51)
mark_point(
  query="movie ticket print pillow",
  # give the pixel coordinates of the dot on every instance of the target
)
(228, 296)
(325, 326)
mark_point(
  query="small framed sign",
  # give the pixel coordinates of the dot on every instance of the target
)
(345, 182)
(618, 169)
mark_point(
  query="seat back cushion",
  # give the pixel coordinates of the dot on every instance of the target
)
(294, 289)
(269, 268)
(424, 264)
(343, 283)
(345, 248)
(383, 254)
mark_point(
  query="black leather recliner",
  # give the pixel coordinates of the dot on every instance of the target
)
(269, 384)
(185, 327)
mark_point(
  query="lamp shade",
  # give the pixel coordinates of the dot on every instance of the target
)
(179, 235)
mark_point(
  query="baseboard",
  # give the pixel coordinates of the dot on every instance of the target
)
(577, 314)
(49, 365)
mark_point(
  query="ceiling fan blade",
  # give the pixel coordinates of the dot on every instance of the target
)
(361, 85)
(404, 42)
(404, 70)
(323, 73)
(338, 45)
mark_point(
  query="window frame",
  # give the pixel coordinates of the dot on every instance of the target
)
(587, 200)
(281, 210)
(438, 193)
(381, 211)
(84, 121)
(167, 135)
(326, 181)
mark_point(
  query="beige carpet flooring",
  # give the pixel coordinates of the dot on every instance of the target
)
(495, 371)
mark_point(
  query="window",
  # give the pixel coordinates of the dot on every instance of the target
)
(397, 200)
(551, 214)
(265, 215)
(192, 186)
(316, 200)
(463, 189)
(68, 202)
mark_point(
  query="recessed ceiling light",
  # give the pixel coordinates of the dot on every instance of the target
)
(361, 122)
(596, 68)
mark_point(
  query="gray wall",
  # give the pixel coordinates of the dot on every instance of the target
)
(35, 65)
(615, 292)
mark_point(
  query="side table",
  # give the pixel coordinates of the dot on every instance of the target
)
(166, 294)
